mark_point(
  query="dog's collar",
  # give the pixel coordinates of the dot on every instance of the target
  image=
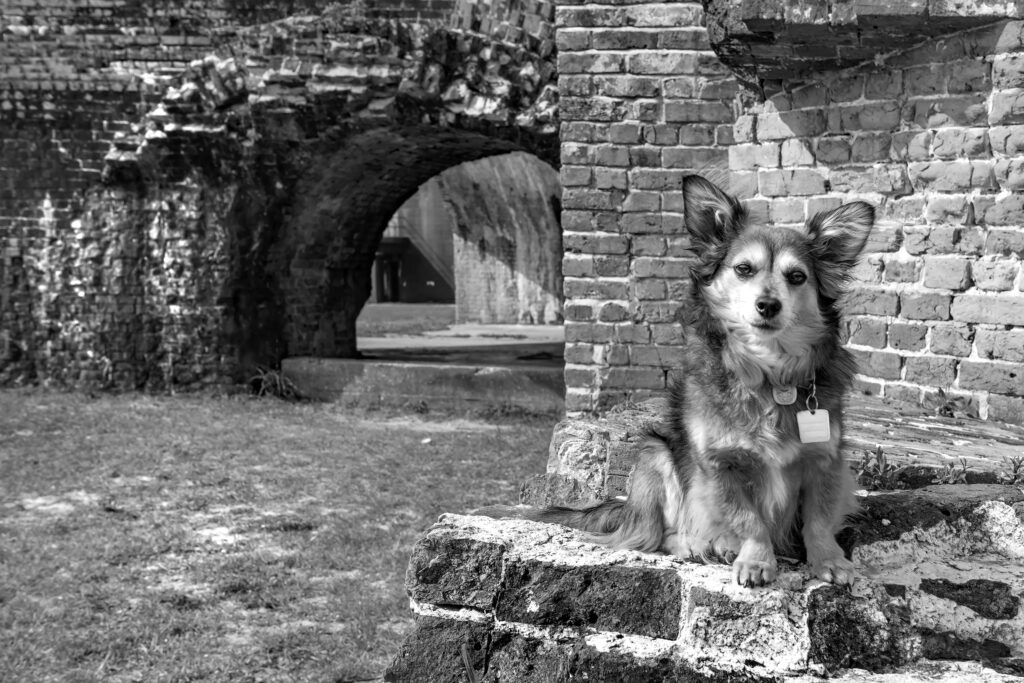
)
(786, 395)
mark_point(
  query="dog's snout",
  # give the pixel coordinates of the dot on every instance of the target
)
(768, 307)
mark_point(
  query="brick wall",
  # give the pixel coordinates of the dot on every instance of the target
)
(932, 135)
(643, 101)
(147, 179)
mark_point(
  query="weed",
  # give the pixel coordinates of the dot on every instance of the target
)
(951, 474)
(267, 382)
(876, 473)
(1014, 472)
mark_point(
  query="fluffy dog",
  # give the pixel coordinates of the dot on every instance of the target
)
(751, 452)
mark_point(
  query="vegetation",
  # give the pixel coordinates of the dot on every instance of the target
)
(225, 539)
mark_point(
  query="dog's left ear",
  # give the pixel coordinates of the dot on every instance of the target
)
(839, 237)
(841, 234)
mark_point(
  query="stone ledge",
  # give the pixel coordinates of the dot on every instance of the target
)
(533, 601)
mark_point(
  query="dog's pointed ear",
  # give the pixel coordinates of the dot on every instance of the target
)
(841, 234)
(711, 215)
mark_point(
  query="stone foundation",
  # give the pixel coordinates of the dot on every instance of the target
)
(937, 594)
(524, 601)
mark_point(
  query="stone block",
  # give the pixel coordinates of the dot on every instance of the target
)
(1000, 378)
(951, 339)
(999, 309)
(907, 336)
(1000, 344)
(995, 275)
(933, 371)
(880, 364)
(947, 272)
(924, 305)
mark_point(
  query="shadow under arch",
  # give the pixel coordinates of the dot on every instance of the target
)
(342, 205)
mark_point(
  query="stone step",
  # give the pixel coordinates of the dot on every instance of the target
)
(519, 600)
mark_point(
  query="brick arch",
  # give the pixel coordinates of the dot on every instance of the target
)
(344, 203)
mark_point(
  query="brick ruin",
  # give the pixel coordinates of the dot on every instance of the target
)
(190, 190)
(914, 107)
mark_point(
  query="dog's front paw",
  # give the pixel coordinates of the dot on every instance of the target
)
(837, 570)
(754, 572)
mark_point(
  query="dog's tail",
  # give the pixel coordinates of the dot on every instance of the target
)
(636, 523)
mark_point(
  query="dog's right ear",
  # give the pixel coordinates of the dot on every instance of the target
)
(711, 215)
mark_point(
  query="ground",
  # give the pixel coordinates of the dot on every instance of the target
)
(225, 539)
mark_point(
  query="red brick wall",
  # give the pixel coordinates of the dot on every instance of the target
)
(931, 135)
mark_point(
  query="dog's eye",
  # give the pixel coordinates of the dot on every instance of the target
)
(743, 270)
(796, 277)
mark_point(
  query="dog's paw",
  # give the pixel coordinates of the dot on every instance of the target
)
(751, 573)
(838, 570)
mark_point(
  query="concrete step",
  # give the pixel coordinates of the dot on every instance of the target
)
(523, 387)
(524, 601)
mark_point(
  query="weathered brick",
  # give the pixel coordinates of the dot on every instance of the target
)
(832, 150)
(995, 275)
(957, 143)
(639, 201)
(869, 147)
(947, 272)
(907, 336)
(901, 269)
(695, 158)
(662, 267)
(697, 112)
(947, 208)
(924, 306)
(634, 378)
(595, 243)
(1006, 409)
(968, 75)
(797, 152)
(928, 79)
(611, 265)
(1008, 140)
(1000, 309)
(865, 331)
(1005, 242)
(657, 356)
(911, 145)
(883, 85)
(874, 116)
(598, 333)
(790, 124)
(787, 210)
(612, 312)
(751, 156)
(1007, 107)
(881, 364)
(626, 86)
(930, 240)
(449, 568)
(1000, 344)
(650, 289)
(952, 176)
(591, 63)
(698, 134)
(1009, 173)
(745, 128)
(1001, 378)
(951, 339)
(789, 182)
(931, 370)
(612, 39)
(578, 353)
(862, 300)
(651, 179)
(951, 110)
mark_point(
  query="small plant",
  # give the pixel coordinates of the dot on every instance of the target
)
(951, 474)
(950, 405)
(267, 382)
(876, 473)
(1014, 472)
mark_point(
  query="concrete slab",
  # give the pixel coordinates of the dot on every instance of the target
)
(533, 388)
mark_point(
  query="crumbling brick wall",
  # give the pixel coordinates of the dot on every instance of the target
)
(927, 133)
(153, 154)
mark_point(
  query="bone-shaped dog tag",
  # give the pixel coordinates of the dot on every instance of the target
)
(814, 426)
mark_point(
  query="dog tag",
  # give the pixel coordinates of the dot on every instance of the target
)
(784, 396)
(814, 427)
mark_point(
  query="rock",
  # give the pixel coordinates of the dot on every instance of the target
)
(533, 601)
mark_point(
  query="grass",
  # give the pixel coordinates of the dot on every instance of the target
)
(225, 539)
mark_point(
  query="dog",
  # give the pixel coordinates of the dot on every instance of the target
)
(750, 452)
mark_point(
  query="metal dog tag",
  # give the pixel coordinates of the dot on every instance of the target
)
(784, 396)
(814, 426)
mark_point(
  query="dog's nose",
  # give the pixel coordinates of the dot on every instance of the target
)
(768, 307)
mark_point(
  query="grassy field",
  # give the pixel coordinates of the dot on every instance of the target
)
(225, 539)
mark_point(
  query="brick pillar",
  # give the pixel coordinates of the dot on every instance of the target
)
(643, 102)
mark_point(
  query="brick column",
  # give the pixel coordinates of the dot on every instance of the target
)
(643, 102)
